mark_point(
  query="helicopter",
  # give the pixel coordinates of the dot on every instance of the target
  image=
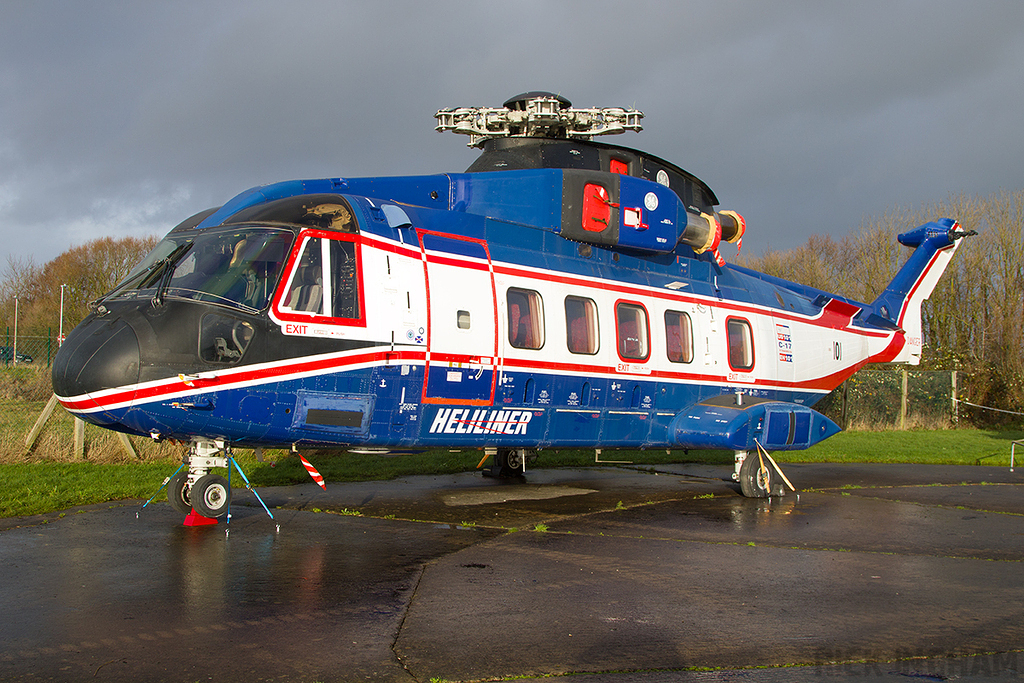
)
(561, 292)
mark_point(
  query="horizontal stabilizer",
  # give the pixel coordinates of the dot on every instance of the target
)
(724, 424)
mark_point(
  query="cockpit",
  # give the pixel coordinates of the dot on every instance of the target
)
(236, 267)
(240, 262)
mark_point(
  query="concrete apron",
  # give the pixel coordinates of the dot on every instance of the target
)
(607, 570)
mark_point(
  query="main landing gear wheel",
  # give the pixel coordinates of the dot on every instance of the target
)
(508, 464)
(758, 480)
(511, 460)
(211, 495)
(177, 496)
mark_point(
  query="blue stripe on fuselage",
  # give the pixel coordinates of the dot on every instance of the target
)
(624, 412)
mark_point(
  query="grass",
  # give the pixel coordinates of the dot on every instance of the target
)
(939, 447)
(44, 486)
(36, 487)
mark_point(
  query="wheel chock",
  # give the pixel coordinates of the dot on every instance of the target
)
(196, 519)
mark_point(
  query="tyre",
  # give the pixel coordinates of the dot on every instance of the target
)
(509, 462)
(211, 496)
(177, 496)
(757, 480)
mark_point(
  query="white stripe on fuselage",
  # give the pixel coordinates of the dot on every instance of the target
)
(812, 351)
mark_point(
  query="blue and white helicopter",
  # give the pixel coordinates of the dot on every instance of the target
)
(559, 293)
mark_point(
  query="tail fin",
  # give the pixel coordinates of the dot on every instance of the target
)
(934, 244)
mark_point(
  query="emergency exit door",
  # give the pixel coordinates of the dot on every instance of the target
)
(462, 324)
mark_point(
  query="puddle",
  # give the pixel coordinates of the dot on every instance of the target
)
(509, 494)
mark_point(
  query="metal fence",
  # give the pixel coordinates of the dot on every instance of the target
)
(24, 350)
(896, 397)
(34, 427)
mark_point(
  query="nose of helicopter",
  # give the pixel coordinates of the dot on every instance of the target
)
(99, 354)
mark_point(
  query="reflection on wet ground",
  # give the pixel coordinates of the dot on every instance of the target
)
(463, 578)
(146, 599)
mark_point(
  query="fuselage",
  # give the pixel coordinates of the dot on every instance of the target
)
(462, 310)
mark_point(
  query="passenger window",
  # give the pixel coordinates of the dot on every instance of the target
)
(632, 331)
(678, 337)
(741, 344)
(325, 281)
(525, 319)
(581, 325)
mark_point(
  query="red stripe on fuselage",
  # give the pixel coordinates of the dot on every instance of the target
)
(830, 317)
(236, 378)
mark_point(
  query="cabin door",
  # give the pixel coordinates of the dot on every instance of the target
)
(462, 322)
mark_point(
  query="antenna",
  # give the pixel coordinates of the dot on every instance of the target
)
(537, 115)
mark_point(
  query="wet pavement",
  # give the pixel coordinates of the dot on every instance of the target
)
(871, 572)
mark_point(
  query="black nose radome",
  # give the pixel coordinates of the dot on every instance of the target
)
(99, 354)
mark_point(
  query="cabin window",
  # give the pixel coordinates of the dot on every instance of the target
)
(525, 319)
(325, 279)
(678, 337)
(581, 325)
(632, 331)
(741, 344)
(462, 319)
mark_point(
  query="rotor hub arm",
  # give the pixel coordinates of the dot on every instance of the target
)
(541, 116)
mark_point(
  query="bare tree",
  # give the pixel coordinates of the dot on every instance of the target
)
(89, 271)
(974, 320)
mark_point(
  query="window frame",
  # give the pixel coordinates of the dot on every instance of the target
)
(687, 345)
(646, 341)
(749, 339)
(287, 314)
(591, 317)
(535, 304)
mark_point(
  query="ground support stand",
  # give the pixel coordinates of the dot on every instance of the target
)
(248, 486)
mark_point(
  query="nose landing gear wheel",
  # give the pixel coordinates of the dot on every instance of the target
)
(211, 496)
(177, 496)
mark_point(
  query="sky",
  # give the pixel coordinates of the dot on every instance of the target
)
(121, 118)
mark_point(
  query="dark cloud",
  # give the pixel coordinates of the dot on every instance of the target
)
(121, 118)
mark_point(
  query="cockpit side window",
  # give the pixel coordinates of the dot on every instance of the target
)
(306, 288)
(324, 281)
